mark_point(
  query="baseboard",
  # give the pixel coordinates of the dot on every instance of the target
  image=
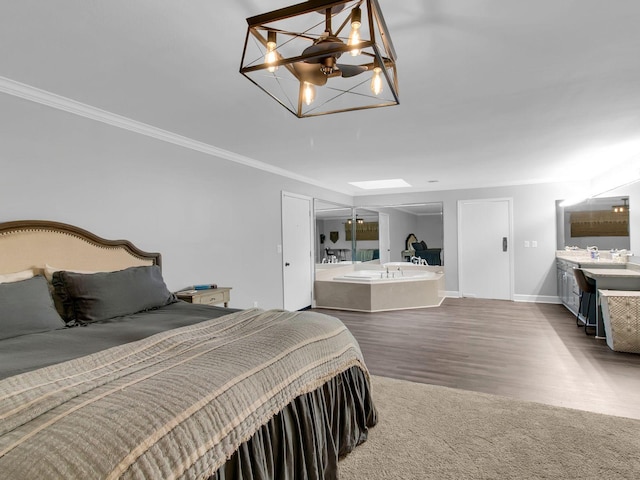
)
(518, 298)
(537, 299)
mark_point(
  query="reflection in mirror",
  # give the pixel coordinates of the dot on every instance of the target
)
(367, 235)
(397, 222)
(331, 244)
(601, 222)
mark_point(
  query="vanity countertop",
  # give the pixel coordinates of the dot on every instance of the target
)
(612, 272)
(589, 262)
(583, 258)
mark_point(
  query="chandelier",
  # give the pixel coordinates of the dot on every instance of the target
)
(321, 57)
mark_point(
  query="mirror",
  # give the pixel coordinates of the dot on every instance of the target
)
(381, 232)
(397, 222)
(331, 242)
(367, 235)
(601, 222)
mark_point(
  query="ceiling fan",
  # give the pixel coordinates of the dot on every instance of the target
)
(321, 61)
(316, 55)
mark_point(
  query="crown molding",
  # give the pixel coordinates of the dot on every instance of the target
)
(49, 99)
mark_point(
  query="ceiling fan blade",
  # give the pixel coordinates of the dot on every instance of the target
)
(351, 70)
(310, 72)
(318, 50)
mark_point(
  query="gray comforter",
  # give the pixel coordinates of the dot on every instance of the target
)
(174, 405)
(29, 352)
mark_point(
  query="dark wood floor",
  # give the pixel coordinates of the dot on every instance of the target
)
(521, 350)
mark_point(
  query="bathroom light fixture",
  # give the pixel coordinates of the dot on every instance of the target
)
(359, 221)
(621, 208)
(320, 57)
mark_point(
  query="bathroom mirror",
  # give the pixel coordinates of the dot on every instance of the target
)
(601, 222)
(367, 229)
(397, 222)
(331, 243)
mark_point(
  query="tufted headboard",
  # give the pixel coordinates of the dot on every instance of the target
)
(26, 244)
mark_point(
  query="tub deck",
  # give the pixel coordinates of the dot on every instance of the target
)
(381, 295)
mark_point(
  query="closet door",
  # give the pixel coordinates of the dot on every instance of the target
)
(485, 258)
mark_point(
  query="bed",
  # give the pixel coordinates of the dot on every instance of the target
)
(105, 374)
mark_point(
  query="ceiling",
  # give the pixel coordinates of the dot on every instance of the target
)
(492, 92)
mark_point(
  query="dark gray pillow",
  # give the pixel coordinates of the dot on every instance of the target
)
(26, 307)
(100, 296)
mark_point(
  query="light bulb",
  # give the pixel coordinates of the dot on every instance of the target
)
(354, 40)
(354, 36)
(272, 56)
(308, 93)
(376, 81)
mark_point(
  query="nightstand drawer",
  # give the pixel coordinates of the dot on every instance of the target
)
(210, 298)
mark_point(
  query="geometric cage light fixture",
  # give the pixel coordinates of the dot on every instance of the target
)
(320, 57)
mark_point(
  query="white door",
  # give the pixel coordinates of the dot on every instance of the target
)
(296, 251)
(384, 242)
(484, 249)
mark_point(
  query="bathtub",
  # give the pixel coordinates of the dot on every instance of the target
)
(370, 290)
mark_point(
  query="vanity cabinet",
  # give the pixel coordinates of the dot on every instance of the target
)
(567, 286)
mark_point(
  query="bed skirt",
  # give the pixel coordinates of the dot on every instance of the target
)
(306, 439)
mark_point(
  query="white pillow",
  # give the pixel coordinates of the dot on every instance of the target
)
(17, 276)
(49, 271)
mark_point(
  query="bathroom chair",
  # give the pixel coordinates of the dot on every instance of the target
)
(585, 286)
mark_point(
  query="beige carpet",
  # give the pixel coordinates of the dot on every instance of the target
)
(431, 432)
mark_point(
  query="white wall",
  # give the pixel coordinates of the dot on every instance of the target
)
(212, 220)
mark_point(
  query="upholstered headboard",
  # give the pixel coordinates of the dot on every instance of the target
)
(411, 238)
(28, 244)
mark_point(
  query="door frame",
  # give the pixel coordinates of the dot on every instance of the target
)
(509, 201)
(309, 200)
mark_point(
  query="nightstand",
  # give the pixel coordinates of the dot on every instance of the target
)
(211, 296)
(407, 254)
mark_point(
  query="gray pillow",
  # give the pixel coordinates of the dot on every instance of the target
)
(104, 295)
(26, 307)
